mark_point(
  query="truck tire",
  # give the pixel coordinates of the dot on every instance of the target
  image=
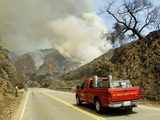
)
(78, 101)
(130, 109)
(98, 106)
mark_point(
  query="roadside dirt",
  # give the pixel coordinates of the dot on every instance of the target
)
(151, 103)
(8, 106)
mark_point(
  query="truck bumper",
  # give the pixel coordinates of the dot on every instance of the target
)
(124, 104)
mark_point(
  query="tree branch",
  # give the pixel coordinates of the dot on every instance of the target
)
(145, 25)
(130, 21)
(132, 15)
(119, 21)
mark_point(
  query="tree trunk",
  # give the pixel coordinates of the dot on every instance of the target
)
(137, 34)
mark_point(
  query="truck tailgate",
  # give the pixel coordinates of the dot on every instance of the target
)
(124, 94)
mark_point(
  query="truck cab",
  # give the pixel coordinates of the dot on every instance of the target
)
(106, 93)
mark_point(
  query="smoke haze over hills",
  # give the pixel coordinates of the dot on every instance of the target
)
(70, 26)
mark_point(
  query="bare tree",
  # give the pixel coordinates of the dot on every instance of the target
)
(133, 17)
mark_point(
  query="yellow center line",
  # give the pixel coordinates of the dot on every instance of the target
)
(75, 108)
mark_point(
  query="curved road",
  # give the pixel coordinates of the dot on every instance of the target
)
(44, 104)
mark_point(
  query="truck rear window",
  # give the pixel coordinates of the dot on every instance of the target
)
(102, 84)
(120, 84)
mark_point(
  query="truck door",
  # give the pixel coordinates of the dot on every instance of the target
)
(90, 94)
(84, 90)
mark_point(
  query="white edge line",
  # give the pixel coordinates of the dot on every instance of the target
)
(24, 106)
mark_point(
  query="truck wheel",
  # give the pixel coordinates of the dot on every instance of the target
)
(78, 101)
(98, 106)
(129, 109)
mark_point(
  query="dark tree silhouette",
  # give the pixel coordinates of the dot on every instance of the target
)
(132, 18)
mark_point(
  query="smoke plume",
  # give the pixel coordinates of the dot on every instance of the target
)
(70, 26)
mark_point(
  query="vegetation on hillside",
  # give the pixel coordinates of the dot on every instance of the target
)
(9, 78)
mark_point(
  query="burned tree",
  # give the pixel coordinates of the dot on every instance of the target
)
(133, 18)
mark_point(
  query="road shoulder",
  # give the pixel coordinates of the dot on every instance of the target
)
(20, 109)
(9, 106)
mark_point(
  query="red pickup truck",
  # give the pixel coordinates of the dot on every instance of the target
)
(106, 93)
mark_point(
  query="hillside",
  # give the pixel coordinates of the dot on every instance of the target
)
(138, 61)
(8, 70)
(25, 65)
(42, 66)
(9, 78)
(55, 63)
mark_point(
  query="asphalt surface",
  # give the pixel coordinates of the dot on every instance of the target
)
(44, 104)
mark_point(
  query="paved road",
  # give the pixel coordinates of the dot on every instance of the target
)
(44, 104)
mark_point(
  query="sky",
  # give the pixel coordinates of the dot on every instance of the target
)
(108, 20)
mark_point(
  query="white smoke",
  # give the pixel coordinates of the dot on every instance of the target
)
(67, 25)
(79, 37)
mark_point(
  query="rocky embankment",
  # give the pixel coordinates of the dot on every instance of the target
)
(9, 78)
(138, 61)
